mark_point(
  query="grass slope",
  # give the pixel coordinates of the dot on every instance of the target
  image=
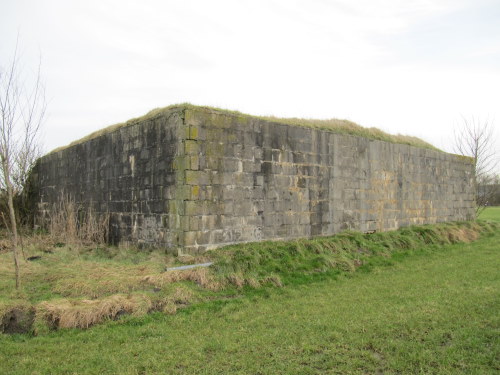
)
(428, 310)
(333, 125)
(69, 286)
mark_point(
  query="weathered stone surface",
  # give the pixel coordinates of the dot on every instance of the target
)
(191, 179)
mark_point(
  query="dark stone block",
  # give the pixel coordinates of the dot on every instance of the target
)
(248, 179)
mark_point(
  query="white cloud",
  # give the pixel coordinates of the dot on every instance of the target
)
(409, 66)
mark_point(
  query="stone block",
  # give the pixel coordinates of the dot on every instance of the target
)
(190, 238)
(194, 208)
(258, 180)
(198, 178)
(191, 147)
(232, 165)
(194, 162)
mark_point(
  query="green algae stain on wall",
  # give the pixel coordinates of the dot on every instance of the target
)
(191, 179)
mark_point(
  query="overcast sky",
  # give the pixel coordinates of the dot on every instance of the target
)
(406, 66)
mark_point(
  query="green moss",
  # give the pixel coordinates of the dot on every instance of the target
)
(467, 159)
(213, 115)
(195, 191)
(193, 132)
(192, 177)
(214, 149)
(191, 147)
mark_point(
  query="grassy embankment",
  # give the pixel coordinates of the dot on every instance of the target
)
(424, 300)
(433, 309)
(81, 286)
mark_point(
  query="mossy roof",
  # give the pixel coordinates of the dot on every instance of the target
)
(333, 125)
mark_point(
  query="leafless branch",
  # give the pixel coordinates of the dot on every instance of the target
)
(475, 138)
(22, 110)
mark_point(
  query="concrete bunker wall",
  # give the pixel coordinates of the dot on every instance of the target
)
(128, 173)
(192, 179)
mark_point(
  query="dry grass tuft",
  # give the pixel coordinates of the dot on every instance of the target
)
(463, 235)
(69, 223)
(252, 283)
(201, 276)
(274, 280)
(77, 277)
(180, 297)
(99, 281)
(85, 313)
(236, 279)
(5, 245)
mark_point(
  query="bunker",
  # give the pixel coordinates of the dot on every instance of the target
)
(193, 178)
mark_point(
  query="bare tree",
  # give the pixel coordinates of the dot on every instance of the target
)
(476, 139)
(22, 109)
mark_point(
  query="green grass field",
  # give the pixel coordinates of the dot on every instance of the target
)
(432, 310)
(491, 213)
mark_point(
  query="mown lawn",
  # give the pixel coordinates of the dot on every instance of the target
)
(491, 213)
(427, 311)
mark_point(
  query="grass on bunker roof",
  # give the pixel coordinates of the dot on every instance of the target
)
(333, 125)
